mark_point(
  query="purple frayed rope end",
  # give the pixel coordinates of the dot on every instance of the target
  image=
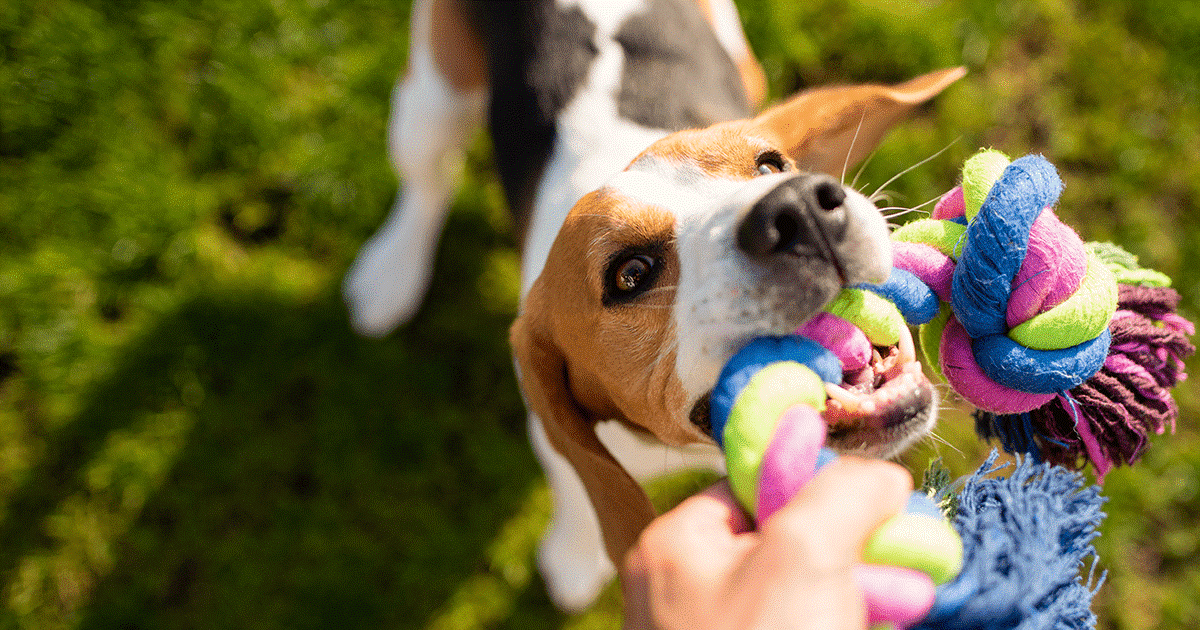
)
(1107, 420)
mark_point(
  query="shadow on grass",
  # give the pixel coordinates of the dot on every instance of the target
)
(321, 480)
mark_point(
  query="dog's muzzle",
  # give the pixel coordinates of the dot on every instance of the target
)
(812, 217)
(804, 216)
(807, 238)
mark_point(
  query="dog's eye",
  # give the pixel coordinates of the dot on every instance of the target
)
(769, 162)
(632, 273)
(628, 276)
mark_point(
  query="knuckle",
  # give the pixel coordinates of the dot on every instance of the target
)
(796, 537)
(886, 479)
(659, 544)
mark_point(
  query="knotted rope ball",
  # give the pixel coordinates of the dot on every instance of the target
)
(1030, 307)
(1033, 330)
(1068, 350)
(765, 414)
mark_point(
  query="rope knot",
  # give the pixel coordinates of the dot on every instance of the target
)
(1035, 327)
(1029, 307)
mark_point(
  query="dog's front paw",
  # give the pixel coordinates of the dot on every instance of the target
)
(385, 286)
(574, 568)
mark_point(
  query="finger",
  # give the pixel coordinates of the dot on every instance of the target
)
(895, 594)
(830, 520)
(683, 555)
(635, 592)
(720, 505)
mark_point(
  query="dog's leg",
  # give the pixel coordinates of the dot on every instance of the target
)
(572, 557)
(435, 109)
(723, 16)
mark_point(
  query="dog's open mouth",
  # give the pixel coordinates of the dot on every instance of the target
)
(878, 406)
(883, 404)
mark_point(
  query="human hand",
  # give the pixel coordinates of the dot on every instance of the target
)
(701, 566)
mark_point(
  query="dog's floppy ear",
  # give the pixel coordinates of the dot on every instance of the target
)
(621, 505)
(824, 129)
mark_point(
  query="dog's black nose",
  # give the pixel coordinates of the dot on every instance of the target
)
(802, 216)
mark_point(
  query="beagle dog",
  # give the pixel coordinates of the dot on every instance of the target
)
(663, 227)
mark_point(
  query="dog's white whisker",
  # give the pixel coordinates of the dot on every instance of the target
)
(911, 168)
(863, 167)
(885, 196)
(850, 151)
(896, 215)
(902, 210)
(941, 440)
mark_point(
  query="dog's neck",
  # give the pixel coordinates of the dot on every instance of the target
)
(611, 96)
(592, 142)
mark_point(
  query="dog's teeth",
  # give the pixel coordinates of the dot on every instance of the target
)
(908, 351)
(849, 400)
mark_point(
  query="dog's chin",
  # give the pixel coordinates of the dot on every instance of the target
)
(878, 411)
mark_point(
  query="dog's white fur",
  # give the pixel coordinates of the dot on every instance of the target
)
(711, 318)
(431, 121)
(429, 126)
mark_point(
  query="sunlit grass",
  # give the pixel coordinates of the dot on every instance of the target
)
(191, 436)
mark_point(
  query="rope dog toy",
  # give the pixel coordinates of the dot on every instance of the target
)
(1017, 543)
(1068, 350)
(765, 414)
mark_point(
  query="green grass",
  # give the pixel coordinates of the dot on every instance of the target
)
(190, 435)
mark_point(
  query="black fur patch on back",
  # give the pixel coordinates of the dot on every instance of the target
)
(538, 55)
(677, 75)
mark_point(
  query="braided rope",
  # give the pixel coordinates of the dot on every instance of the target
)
(1028, 329)
(1021, 317)
(1030, 305)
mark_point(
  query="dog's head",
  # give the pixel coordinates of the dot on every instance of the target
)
(712, 237)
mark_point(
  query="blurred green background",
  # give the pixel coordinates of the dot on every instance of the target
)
(191, 436)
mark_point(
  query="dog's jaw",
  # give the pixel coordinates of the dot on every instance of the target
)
(725, 297)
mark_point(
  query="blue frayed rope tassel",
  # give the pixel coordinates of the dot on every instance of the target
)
(1026, 538)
